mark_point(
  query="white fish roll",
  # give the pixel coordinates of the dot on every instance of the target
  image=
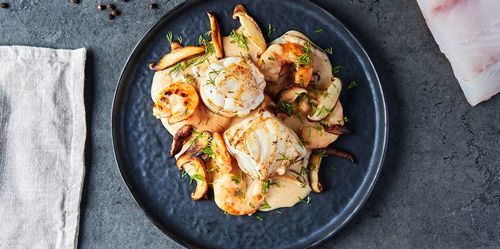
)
(263, 145)
(232, 87)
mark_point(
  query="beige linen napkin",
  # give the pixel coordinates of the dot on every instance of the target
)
(42, 137)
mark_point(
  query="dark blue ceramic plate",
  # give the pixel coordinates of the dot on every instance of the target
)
(142, 145)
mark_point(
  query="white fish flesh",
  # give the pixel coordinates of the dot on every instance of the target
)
(232, 86)
(468, 33)
(263, 145)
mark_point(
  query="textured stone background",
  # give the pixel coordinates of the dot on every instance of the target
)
(439, 188)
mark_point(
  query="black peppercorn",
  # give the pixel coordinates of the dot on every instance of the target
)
(124, 0)
(100, 7)
(153, 6)
(111, 16)
(115, 12)
(74, 1)
(111, 7)
(4, 5)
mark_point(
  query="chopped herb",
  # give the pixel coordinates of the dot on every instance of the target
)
(277, 211)
(347, 120)
(184, 173)
(260, 218)
(265, 205)
(196, 135)
(237, 178)
(302, 183)
(361, 120)
(206, 123)
(271, 58)
(176, 68)
(185, 111)
(333, 168)
(209, 151)
(251, 205)
(305, 58)
(212, 169)
(339, 67)
(202, 40)
(284, 158)
(239, 39)
(195, 177)
(303, 170)
(240, 194)
(305, 200)
(329, 50)
(303, 143)
(226, 213)
(353, 84)
(267, 185)
(243, 57)
(179, 38)
(169, 36)
(208, 33)
(270, 31)
(188, 78)
(322, 153)
(318, 31)
(319, 127)
(312, 167)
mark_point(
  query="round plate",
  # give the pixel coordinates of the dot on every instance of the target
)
(142, 145)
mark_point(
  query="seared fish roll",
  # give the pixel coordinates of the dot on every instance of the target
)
(232, 87)
(263, 145)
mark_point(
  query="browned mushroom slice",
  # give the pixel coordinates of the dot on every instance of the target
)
(180, 136)
(178, 55)
(289, 93)
(327, 102)
(175, 45)
(196, 169)
(216, 37)
(251, 29)
(336, 129)
(313, 170)
(199, 142)
(338, 152)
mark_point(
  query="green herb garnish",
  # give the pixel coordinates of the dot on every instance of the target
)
(239, 39)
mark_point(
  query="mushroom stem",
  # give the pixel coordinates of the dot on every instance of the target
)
(337, 129)
(180, 136)
(339, 152)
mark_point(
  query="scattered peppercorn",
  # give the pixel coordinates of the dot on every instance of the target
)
(124, 0)
(115, 13)
(153, 6)
(100, 7)
(74, 1)
(152, 65)
(111, 16)
(111, 7)
(4, 5)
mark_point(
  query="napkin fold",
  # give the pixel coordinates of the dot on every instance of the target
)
(42, 138)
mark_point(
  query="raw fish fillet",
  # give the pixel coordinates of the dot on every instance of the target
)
(468, 33)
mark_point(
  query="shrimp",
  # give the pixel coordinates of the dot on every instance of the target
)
(232, 193)
(277, 55)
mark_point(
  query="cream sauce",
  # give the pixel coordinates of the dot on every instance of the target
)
(288, 189)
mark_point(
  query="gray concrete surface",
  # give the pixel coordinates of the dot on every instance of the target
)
(440, 186)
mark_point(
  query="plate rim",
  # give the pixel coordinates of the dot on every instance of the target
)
(366, 191)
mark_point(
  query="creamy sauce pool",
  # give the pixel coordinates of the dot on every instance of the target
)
(286, 189)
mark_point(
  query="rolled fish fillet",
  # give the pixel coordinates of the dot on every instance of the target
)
(232, 87)
(468, 33)
(263, 145)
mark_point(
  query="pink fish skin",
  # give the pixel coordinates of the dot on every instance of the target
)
(468, 33)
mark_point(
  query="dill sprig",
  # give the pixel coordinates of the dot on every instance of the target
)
(239, 39)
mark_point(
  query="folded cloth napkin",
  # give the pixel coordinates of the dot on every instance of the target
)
(42, 137)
